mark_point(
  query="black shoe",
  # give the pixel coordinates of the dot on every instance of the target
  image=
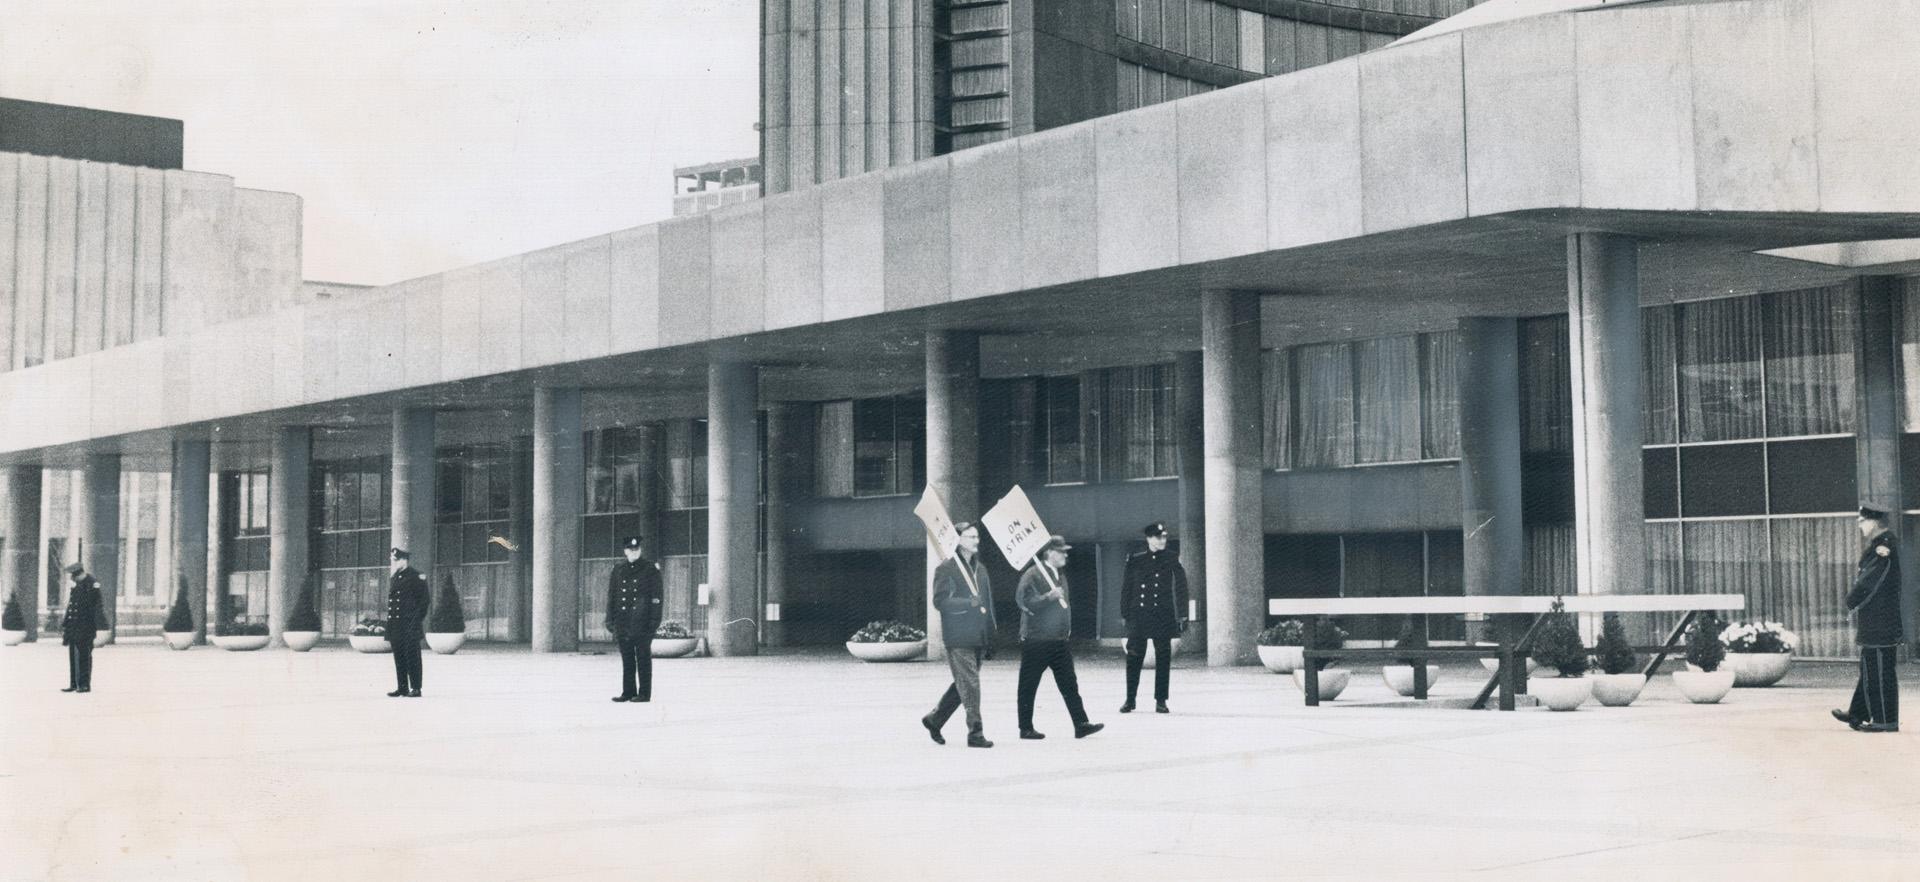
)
(397, 693)
(414, 694)
(933, 731)
(1128, 707)
(1032, 734)
(71, 689)
(1160, 707)
(623, 698)
(1084, 729)
(975, 739)
(1877, 727)
(84, 689)
(1847, 718)
(641, 699)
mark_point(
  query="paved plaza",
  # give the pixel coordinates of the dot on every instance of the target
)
(211, 765)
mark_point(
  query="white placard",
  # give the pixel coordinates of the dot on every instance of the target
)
(932, 511)
(703, 594)
(1016, 527)
(773, 612)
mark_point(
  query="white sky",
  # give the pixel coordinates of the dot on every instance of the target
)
(423, 134)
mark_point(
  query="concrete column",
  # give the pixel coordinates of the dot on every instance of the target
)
(559, 497)
(413, 468)
(289, 497)
(520, 520)
(20, 565)
(1188, 393)
(1493, 538)
(1603, 314)
(1877, 446)
(733, 499)
(953, 445)
(100, 523)
(192, 462)
(1236, 552)
(789, 450)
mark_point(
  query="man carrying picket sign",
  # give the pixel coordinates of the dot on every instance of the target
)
(964, 596)
(1045, 625)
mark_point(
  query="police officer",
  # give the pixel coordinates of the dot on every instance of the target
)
(78, 628)
(633, 614)
(1875, 601)
(1153, 601)
(406, 615)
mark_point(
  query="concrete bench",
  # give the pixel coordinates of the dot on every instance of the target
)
(1509, 678)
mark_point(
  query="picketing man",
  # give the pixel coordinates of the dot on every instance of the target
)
(1875, 602)
(1046, 621)
(963, 594)
(633, 614)
(1153, 604)
(77, 630)
(406, 617)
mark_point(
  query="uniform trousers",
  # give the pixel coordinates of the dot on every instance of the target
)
(965, 665)
(1036, 658)
(80, 663)
(636, 667)
(1876, 697)
(406, 663)
(1162, 665)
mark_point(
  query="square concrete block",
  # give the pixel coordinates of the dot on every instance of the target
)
(1753, 107)
(543, 305)
(386, 341)
(424, 340)
(1137, 191)
(793, 255)
(686, 280)
(1412, 135)
(1057, 171)
(1862, 71)
(739, 269)
(1313, 155)
(918, 244)
(634, 296)
(1223, 173)
(1636, 109)
(1523, 131)
(498, 284)
(986, 232)
(460, 327)
(852, 247)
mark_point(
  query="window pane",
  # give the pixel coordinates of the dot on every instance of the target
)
(873, 447)
(1810, 361)
(1656, 375)
(1910, 354)
(1812, 558)
(1139, 440)
(1812, 475)
(1722, 480)
(1325, 391)
(1725, 557)
(1440, 396)
(1387, 395)
(1550, 560)
(833, 450)
(1546, 386)
(1720, 388)
(1276, 409)
(1660, 467)
(1065, 455)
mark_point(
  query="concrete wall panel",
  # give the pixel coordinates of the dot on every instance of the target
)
(917, 201)
(266, 252)
(1412, 135)
(63, 207)
(1137, 191)
(460, 327)
(386, 340)
(117, 319)
(498, 287)
(739, 269)
(543, 302)
(354, 350)
(587, 299)
(9, 197)
(1313, 121)
(1057, 169)
(1868, 137)
(317, 354)
(197, 271)
(1223, 174)
(1523, 144)
(1636, 120)
(90, 259)
(30, 264)
(985, 257)
(1753, 133)
(634, 298)
(686, 280)
(423, 339)
(149, 251)
(254, 353)
(290, 356)
(852, 247)
(793, 256)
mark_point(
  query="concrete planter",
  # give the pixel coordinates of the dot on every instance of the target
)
(300, 641)
(1281, 659)
(1333, 681)
(1560, 693)
(100, 638)
(1400, 678)
(1617, 690)
(12, 638)
(240, 643)
(675, 647)
(887, 652)
(1754, 669)
(446, 643)
(1704, 687)
(1147, 656)
(1493, 664)
(178, 639)
(369, 643)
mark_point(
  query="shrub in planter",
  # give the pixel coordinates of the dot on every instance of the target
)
(887, 641)
(1707, 683)
(1280, 645)
(1558, 647)
(447, 617)
(1622, 681)
(1286, 632)
(13, 622)
(672, 631)
(305, 615)
(241, 629)
(1758, 653)
(673, 640)
(371, 627)
(369, 635)
(177, 630)
(1326, 634)
(1400, 676)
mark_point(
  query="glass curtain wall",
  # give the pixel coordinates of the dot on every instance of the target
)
(351, 541)
(473, 503)
(1361, 402)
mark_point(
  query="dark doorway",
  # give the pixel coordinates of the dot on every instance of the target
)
(1083, 591)
(833, 595)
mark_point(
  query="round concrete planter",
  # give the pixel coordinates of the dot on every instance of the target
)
(1560, 693)
(1617, 690)
(1333, 681)
(1754, 669)
(241, 642)
(1493, 664)
(1281, 659)
(10, 637)
(1147, 657)
(1400, 678)
(1704, 687)
(675, 647)
(100, 638)
(446, 643)
(369, 643)
(887, 652)
(178, 639)
(300, 641)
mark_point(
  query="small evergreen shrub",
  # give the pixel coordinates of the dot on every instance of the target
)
(11, 618)
(1705, 649)
(446, 616)
(1410, 638)
(305, 615)
(888, 631)
(1558, 645)
(1327, 634)
(1615, 653)
(676, 631)
(180, 616)
(240, 629)
(1286, 632)
(371, 627)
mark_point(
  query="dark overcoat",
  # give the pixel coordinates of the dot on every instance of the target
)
(634, 599)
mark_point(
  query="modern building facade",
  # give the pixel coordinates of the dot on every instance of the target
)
(705, 187)
(1613, 299)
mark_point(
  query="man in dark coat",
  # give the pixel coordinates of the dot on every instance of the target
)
(964, 596)
(78, 628)
(1875, 601)
(1045, 624)
(633, 614)
(406, 617)
(1153, 603)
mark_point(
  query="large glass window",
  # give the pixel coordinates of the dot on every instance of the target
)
(1387, 400)
(1720, 379)
(1324, 393)
(1139, 439)
(1809, 368)
(1382, 400)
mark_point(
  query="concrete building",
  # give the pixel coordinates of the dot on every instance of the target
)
(1611, 299)
(705, 187)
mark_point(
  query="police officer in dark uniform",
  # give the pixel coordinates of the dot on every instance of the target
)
(1875, 601)
(1153, 601)
(633, 614)
(78, 628)
(406, 616)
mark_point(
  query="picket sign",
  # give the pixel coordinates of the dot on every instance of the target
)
(932, 511)
(1016, 527)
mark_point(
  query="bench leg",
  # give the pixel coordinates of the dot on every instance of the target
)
(1523, 650)
(1420, 679)
(1509, 679)
(1312, 679)
(1679, 629)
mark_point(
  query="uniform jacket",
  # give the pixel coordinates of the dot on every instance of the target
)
(1153, 594)
(966, 618)
(633, 599)
(1875, 598)
(406, 606)
(1042, 617)
(83, 616)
